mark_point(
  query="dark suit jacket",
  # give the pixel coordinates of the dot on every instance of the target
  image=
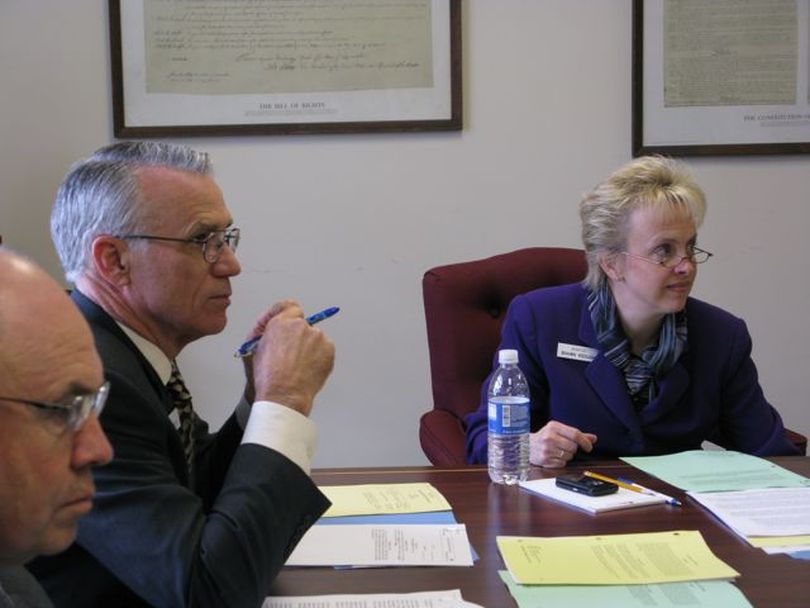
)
(711, 393)
(150, 539)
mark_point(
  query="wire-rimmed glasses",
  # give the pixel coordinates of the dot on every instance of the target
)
(212, 243)
(670, 261)
(72, 415)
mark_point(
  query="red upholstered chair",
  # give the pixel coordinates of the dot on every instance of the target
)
(465, 305)
(464, 308)
(797, 439)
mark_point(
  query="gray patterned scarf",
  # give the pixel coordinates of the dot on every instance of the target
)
(640, 373)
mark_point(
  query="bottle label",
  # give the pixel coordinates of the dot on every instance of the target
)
(508, 415)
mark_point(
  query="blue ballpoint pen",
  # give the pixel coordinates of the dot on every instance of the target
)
(651, 492)
(249, 346)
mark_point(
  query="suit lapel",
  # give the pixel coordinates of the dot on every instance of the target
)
(671, 389)
(96, 316)
(608, 383)
(605, 380)
(99, 320)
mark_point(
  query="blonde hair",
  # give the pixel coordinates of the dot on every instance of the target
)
(654, 182)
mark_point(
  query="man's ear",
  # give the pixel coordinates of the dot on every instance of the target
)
(111, 260)
(611, 265)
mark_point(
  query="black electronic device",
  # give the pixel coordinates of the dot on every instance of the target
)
(586, 485)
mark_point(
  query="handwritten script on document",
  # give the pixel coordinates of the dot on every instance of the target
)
(211, 47)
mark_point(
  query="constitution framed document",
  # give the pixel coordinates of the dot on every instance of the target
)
(721, 78)
(263, 67)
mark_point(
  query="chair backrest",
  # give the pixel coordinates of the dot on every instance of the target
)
(465, 305)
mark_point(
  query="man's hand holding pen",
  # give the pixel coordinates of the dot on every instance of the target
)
(291, 360)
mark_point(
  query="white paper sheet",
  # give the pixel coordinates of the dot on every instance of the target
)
(766, 512)
(427, 599)
(621, 499)
(383, 545)
(785, 549)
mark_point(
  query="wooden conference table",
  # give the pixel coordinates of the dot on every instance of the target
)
(489, 510)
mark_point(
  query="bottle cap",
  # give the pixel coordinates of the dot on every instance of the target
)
(507, 355)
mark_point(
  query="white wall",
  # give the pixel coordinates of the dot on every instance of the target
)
(355, 220)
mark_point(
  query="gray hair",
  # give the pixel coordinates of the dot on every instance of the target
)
(101, 195)
(646, 182)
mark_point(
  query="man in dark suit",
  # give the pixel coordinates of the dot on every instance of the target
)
(51, 389)
(183, 517)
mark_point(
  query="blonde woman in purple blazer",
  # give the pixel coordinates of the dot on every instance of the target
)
(626, 363)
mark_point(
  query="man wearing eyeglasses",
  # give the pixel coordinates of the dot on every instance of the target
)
(51, 390)
(183, 517)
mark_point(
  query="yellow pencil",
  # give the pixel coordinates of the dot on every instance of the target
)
(621, 484)
(634, 487)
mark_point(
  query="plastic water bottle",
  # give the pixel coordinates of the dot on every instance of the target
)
(508, 421)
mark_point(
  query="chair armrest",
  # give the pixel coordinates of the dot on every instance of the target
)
(797, 439)
(441, 434)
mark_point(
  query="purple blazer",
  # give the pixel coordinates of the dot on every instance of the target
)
(712, 392)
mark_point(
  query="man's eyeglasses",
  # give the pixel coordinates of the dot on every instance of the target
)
(670, 261)
(211, 243)
(70, 416)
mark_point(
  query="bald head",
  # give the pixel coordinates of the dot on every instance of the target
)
(47, 356)
(39, 326)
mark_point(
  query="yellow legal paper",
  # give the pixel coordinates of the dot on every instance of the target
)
(379, 499)
(778, 541)
(612, 559)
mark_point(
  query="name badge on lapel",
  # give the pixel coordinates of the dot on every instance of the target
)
(576, 352)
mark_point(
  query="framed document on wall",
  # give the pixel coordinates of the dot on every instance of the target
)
(721, 77)
(239, 67)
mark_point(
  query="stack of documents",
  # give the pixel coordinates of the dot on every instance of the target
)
(708, 594)
(762, 502)
(774, 519)
(612, 559)
(717, 471)
(658, 568)
(383, 545)
(424, 599)
(376, 525)
(396, 500)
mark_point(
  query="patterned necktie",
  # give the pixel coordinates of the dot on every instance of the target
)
(181, 399)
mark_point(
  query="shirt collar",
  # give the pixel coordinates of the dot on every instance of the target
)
(156, 357)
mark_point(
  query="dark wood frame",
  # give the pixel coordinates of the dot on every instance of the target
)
(708, 149)
(121, 129)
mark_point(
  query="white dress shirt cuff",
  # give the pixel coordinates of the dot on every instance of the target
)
(282, 429)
